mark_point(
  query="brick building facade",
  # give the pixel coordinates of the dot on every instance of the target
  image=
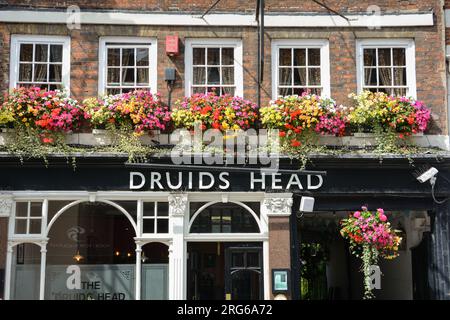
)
(410, 35)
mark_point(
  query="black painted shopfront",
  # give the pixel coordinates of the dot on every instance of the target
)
(349, 183)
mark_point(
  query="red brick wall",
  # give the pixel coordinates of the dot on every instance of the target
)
(430, 53)
(279, 244)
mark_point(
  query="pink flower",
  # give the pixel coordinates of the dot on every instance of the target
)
(364, 208)
(380, 211)
(383, 218)
(357, 214)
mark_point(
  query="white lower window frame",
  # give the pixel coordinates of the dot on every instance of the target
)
(127, 42)
(410, 56)
(238, 67)
(18, 39)
(321, 44)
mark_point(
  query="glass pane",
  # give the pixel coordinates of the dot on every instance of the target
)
(385, 76)
(54, 207)
(40, 72)
(227, 75)
(199, 75)
(113, 76)
(114, 57)
(56, 52)
(25, 72)
(25, 278)
(198, 56)
(142, 77)
(36, 209)
(284, 91)
(228, 90)
(384, 57)
(163, 209)
(213, 75)
(113, 91)
(400, 91)
(370, 76)
(237, 260)
(227, 56)
(370, 57)
(163, 226)
(26, 52)
(216, 90)
(127, 57)
(253, 259)
(198, 90)
(149, 209)
(213, 56)
(314, 57)
(314, 76)
(245, 285)
(148, 225)
(285, 77)
(128, 76)
(299, 91)
(35, 226)
(285, 57)
(399, 57)
(142, 57)
(399, 76)
(21, 226)
(21, 209)
(316, 91)
(225, 218)
(55, 73)
(299, 57)
(300, 77)
(41, 53)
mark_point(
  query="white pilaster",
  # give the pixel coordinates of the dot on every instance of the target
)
(138, 270)
(42, 276)
(178, 208)
(9, 252)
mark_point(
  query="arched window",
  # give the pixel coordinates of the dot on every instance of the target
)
(91, 254)
(224, 218)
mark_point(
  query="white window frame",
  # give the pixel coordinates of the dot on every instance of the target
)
(27, 218)
(321, 44)
(18, 39)
(155, 219)
(190, 44)
(124, 42)
(410, 59)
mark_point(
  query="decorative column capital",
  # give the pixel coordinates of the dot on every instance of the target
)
(6, 204)
(178, 204)
(277, 206)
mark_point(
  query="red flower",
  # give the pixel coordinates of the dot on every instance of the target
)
(295, 143)
(282, 134)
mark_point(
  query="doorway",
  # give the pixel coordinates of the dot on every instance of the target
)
(220, 270)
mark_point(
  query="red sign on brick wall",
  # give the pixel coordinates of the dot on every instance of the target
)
(172, 48)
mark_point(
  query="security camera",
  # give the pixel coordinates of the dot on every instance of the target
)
(424, 176)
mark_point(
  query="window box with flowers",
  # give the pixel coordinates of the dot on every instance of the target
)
(139, 114)
(391, 120)
(301, 120)
(225, 113)
(44, 116)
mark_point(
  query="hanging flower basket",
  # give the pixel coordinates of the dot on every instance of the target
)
(370, 236)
